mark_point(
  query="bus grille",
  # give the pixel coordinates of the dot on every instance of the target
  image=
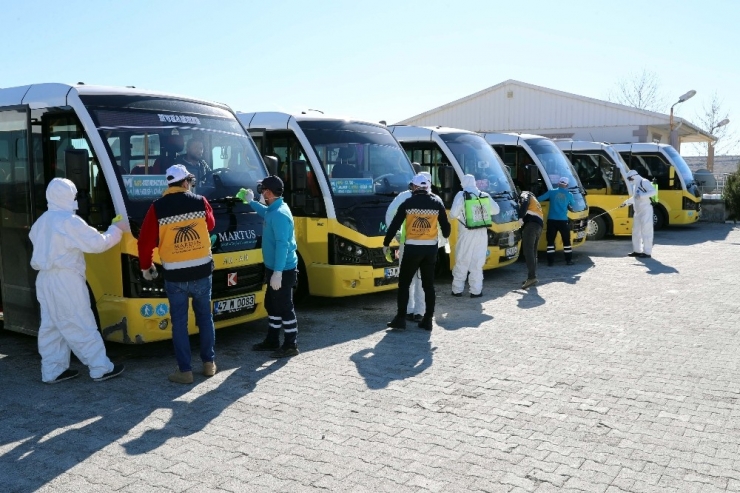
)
(238, 280)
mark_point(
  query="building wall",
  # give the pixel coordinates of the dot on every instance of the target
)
(514, 108)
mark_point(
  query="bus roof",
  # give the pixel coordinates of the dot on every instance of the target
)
(56, 94)
(508, 138)
(639, 147)
(580, 145)
(411, 132)
(279, 120)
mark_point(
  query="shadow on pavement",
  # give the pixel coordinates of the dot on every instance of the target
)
(656, 267)
(530, 298)
(397, 356)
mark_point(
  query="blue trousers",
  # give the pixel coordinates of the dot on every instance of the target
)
(179, 294)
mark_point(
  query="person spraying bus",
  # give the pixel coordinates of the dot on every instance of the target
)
(642, 227)
(60, 239)
(474, 211)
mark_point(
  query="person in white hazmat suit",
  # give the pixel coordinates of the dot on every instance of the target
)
(474, 211)
(60, 238)
(416, 306)
(642, 226)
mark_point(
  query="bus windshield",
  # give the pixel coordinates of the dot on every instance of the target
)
(358, 158)
(144, 136)
(477, 158)
(683, 168)
(555, 163)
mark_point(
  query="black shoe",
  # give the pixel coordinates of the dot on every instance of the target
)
(417, 318)
(426, 323)
(634, 254)
(410, 317)
(65, 375)
(456, 295)
(569, 262)
(398, 323)
(285, 352)
(645, 255)
(117, 370)
(266, 346)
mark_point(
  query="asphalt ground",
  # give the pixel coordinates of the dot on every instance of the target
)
(614, 374)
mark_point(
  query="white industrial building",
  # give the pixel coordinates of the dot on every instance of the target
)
(514, 106)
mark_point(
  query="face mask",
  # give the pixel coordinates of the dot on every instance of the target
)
(262, 200)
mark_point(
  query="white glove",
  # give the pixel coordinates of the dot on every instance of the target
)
(250, 195)
(521, 223)
(627, 202)
(150, 274)
(276, 281)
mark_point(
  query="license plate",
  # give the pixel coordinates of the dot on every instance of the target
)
(234, 304)
(391, 272)
(580, 235)
(511, 251)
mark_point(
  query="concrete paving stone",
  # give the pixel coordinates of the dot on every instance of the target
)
(498, 392)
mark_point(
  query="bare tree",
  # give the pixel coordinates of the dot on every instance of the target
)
(639, 90)
(708, 117)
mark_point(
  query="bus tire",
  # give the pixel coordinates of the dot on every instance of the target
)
(659, 216)
(442, 267)
(596, 228)
(301, 291)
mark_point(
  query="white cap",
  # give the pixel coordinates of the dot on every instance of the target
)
(563, 181)
(420, 181)
(177, 173)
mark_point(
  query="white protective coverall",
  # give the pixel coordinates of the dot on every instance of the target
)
(59, 240)
(472, 244)
(642, 227)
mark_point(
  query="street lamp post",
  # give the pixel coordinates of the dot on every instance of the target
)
(674, 132)
(710, 151)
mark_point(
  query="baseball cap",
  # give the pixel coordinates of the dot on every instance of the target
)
(563, 181)
(420, 181)
(177, 173)
(274, 184)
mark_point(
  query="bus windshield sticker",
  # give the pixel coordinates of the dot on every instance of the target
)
(145, 188)
(352, 186)
(192, 120)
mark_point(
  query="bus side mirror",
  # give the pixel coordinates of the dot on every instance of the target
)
(671, 176)
(271, 163)
(298, 183)
(447, 177)
(417, 167)
(78, 172)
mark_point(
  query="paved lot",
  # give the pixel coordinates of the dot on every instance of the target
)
(614, 374)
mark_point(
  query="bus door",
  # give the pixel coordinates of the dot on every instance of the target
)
(19, 305)
(432, 160)
(522, 169)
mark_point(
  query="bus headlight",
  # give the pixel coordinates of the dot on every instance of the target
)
(344, 251)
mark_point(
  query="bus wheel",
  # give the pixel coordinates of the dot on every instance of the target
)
(596, 228)
(300, 291)
(442, 267)
(658, 218)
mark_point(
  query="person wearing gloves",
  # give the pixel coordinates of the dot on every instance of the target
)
(642, 226)
(416, 305)
(60, 238)
(530, 220)
(424, 214)
(178, 224)
(557, 220)
(474, 211)
(281, 267)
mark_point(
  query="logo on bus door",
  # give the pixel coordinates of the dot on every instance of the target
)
(231, 279)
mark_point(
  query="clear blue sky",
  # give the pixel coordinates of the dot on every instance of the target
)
(375, 60)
